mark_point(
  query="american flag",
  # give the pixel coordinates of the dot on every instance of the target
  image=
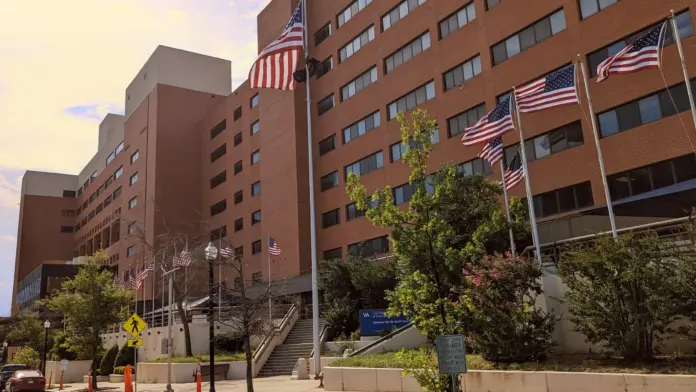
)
(227, 252)
(555, 89)
(278, 61)
(494, 124)
(184, 259)
(514, 173)
(492, 151)
(640, 55)
(273, 247)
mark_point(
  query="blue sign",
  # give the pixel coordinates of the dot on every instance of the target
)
(374, 321)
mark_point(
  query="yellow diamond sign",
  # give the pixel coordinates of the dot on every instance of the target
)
(134, 325)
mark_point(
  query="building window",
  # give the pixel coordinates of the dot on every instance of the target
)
(119, 148)
(238, 197)
(218, 129)
(371, 247)
(117, 193)
(492, 3)
(550, 143)
(238, 167)
(218, 207)
(118, 173)
(530, 36)
(327, 145)
(332, 254)
(475, 166)
(361, 127)
(237, 139)
(255, 127)
(256, 247)
(255, 217)
(359, 83)
(365, 165)
(402, 194)
(407, 52)
(684, 25)
(132, 203)
(353, 212)
(591, 7)
(238, 113)
(459, 123)
(254, 101)
(356, 44)
(329, 181)
(414, 98)
(324, 67)
(219, 233)
(349, 12)
(111, 157)
(321, 35)
(133, 179)
(239, 251)
(67, 229)
(399, 12)
(462, 72)
(651, 177)
(256, 188)
(238, 225)
(67, 213)
(218, 179)
(134, 157)
(457, 20)
(132, 228)
(218, 153)
(563, 200)
(331, 218)
(645, 110)
(398, 149)
(70, 194)
(326, 104)
(255, 157)
(130, 252)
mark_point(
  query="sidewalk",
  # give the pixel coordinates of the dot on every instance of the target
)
(269, 384)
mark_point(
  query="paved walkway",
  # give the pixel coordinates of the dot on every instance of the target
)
(269, 384)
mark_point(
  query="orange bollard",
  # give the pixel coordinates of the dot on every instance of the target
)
(89, 384)
(61, 380)
(127, 379)
(50, 379)
(198, 377)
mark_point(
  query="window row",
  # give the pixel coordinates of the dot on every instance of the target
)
(462, 72)
(530, 36)
(364, 38)
(550, 143)
(357, 84)
(651, 177)
(457, 20)
(398, 149)
(412, 99)
(359, 128)
(399, 12)
(350, 11)
(562, 200)
(407, 52)
(365, 165)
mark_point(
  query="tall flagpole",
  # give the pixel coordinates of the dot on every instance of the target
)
(595, 133)
(162, 304)
(530, 200)
(312, 223)
(154, 283)
(677, 39)
(270, 301)
(220, 281)
(513, 249)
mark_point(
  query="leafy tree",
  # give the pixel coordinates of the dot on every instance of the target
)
(422, 365)
(59, 349)
(626, 295)
(106, 367)
(27, 356)
(27, 331)
(91, 302)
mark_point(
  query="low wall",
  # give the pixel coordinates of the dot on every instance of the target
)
(156, 373)
(325, 361)
(76, 369)
(392, 380)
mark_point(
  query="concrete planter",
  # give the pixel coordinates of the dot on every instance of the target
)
(392, 380)
(85, 379)
(116, 378)
(156, 373)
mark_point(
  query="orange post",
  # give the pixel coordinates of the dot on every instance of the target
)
(198, 377)
(61, 380)
(89, 384)
(127, 379)
(50, 379)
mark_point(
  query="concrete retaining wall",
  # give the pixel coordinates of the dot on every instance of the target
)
(392, 380)
(76, 369)
(156, 373)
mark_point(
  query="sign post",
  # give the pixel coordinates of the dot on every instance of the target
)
(63, 368)
(451, 357)
(135, 326)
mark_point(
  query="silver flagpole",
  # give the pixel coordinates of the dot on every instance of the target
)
(595, 133)
(507, 207)
(154, 283)
(220, 281)
(530, 200)
(270, 301)
(162, 304)
(677, 39)
(312, 223)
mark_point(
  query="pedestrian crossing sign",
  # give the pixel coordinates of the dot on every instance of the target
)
(135, 342)
(134, 325)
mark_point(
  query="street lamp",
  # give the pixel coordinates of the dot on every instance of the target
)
(211, 253)
(47, 326)
(4, 349)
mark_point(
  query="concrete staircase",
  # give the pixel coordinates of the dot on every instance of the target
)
(298, 344)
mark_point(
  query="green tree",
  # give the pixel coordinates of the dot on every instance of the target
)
(626, 295)
(90, 302)
(27, 356)
(106, 367)
(27, 331)
(59, 349)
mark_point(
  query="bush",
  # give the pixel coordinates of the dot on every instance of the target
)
(229, 343)
(125, 356)
(422, 365)
(27, 356)
(106, 366)
(340, 315)
(500, 303)
(122, 370)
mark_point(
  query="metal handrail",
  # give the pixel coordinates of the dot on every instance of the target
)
(271, 334)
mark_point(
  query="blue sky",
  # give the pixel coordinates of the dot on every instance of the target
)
(66, 64)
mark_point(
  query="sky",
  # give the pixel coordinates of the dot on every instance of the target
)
(66, 64)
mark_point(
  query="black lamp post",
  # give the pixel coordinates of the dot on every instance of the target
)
(211, 253)
(47, 326)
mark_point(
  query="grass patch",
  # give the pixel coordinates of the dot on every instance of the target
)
(219, 357)
(569, 363)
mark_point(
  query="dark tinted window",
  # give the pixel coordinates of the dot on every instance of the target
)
(218, 129)
(371, 247)
(322, 34)
(651, 177)
(563, 200)
(329, 181)
(218, 153)
(335, 253)
(331, 218)
(218, 207)
(237, 113)
(327, 145)
(218, 179)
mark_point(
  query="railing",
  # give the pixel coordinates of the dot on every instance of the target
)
(380, 340)
(272, 333)
(322, 338)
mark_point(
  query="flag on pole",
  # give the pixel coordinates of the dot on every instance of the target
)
(492, 151)
(555, 89)
(494, 124)
(227, 252)
(184, 259)
(515, 172)
(644, 53)
(276, 64)
(273, 247)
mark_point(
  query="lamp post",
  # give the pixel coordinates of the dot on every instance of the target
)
(4, 350)
(211, 253)
(47, 325)
(169, 273)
